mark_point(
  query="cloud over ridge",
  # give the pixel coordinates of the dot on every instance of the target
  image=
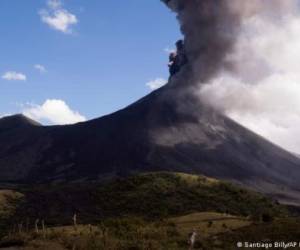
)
(53, 111)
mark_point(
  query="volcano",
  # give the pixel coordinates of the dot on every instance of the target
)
(168, 130)
(153, 134)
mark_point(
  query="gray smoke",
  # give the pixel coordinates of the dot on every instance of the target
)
(211, 29)
(247, 52)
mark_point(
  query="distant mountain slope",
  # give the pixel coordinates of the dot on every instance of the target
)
(16, 121)
(160, 132)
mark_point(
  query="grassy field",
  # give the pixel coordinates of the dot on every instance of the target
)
(130, 233)
(125, 234)
(279, 230)
(171, 234)
(207, 224)
(154, 211)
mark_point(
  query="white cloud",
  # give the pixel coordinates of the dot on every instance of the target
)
(263, 93)
(14, 76)
(40, 68)
(53, 111)
(57, 17)
(156, 84)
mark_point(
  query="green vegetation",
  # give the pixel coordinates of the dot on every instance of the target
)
(129, 233)
(148, 211)
(125, 234)
(172, 234)
(149, 196)
(8, 201)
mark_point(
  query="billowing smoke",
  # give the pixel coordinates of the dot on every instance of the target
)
(211, 29)
(244, 55)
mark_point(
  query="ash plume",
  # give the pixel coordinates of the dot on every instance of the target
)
(244, 61)
(211, 29)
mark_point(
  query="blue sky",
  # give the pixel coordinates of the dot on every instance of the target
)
(92, 57)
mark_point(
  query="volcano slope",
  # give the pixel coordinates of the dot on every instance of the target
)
(154, 134)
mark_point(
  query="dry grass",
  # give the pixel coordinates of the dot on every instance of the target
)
(121, 234)
(208, 223)
(79, 230)
(194, 179)
(43, 245)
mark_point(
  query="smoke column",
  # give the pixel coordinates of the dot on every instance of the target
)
(244, 60)
(211, 29)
